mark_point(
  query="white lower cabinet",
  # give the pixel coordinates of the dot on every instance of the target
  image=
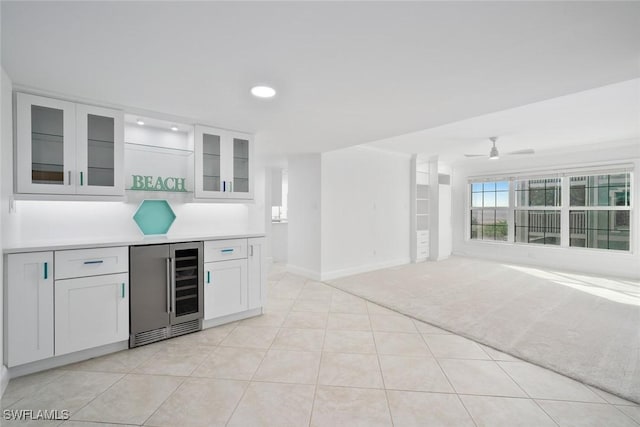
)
(257, 272)
(29, 307)
(225, 288)
(91, 311)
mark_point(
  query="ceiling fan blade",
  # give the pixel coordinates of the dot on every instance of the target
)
(475, 155)
(525, 151)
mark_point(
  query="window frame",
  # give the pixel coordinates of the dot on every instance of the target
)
(539, 208)
(495, 209)
(607, 208)
(565, 207)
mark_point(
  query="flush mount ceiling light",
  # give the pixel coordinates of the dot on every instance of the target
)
(263, 91)
(140, 122)
(174, 128)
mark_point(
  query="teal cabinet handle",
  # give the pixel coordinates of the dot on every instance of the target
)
(122, 290)
(46, 270)
(208, 277)
(226, 251)
(81, 178)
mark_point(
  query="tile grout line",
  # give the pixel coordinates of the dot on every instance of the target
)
(244, 393)
(212, 351)
(100, 394)
(315, 390)
(449, 381)
(384, 385)
(624, 413)
(184, 379)
(527, 394)
(463, 335)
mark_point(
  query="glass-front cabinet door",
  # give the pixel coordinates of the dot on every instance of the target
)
(46, 143)
(223, 164)
(208, 162)
(240, 178)
(100, 150)
(68, 148)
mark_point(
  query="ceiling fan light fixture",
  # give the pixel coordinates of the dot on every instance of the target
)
(493, 154)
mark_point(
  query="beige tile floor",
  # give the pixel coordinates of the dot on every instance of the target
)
(317, 357)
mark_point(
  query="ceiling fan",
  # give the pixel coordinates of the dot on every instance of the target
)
(494, 154)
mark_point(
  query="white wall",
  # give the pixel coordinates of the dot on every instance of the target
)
(445, 226)
(5, 189)
(304, 215)
(581, 260)
(365, 210)
(279, 241)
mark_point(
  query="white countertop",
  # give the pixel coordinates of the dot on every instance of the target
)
(48, 245)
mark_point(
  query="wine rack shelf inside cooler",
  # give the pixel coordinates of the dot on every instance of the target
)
(186, 280)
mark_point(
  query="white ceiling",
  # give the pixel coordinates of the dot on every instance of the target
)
(346, 72)
(606, 115)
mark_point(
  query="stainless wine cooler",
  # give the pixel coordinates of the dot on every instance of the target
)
(166, 291)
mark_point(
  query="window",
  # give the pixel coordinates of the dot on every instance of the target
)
(539, 226)
(489, 210)
(603, 218)
(537, 217)
(567, 210)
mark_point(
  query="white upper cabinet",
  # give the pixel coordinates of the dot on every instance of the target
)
(68, 148)
(99, 150)
(223, 164)
(46, 143)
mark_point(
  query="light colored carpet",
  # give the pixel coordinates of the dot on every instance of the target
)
(585, 327)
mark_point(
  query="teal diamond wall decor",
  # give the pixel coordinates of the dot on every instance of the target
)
(154, 217)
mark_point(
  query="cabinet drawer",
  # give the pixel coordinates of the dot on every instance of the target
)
(423, 252)
(222, 250)
(91, 262)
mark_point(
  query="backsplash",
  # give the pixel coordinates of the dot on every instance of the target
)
(60, 221)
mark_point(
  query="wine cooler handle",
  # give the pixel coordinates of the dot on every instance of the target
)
(173, 285)
(168, 285)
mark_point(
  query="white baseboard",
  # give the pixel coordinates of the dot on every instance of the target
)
(231, 318)
(336, 274)
(4, 379)
(313, 275)
(66, 359)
